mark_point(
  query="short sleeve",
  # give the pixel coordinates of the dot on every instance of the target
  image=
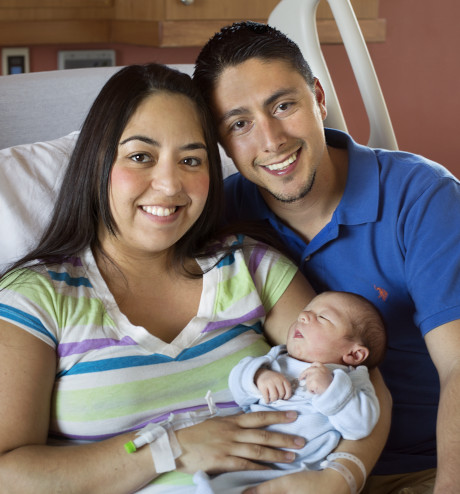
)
(431, 242)
(28, 301)
(271, 271)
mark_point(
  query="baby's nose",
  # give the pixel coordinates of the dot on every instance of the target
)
(304, 316)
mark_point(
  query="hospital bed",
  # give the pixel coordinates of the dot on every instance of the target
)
(40, 112)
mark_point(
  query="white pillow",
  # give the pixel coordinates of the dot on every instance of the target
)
(30, 178)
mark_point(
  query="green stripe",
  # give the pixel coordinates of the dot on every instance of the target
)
(231, 290)
(278, 279)
(61, 308)
(135, 397)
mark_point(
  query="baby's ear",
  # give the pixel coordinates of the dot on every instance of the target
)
(356, 355)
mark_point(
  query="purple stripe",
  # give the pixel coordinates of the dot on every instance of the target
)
(100, 437)
(66, 349)
(257, 312)
(256, 257)
(75, 261)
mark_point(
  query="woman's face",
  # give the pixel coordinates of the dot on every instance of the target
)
(160, 177)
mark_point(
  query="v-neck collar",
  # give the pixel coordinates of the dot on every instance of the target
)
(139, 334)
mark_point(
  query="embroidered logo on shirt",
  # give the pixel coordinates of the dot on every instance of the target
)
(383, 294)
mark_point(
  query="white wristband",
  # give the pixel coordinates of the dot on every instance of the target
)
(343, 470)
(329, 463)
(354, 459)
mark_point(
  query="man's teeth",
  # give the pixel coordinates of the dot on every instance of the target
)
(159, 211)
(284, 164)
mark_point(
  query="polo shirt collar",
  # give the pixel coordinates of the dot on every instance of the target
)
(360, 200)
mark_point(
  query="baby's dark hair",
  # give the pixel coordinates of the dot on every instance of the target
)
(367, 327)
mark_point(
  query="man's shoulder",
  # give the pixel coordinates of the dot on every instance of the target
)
(237, 180)
(243, 199)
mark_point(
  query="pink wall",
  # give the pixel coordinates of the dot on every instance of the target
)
(419, 70)
(418, 67)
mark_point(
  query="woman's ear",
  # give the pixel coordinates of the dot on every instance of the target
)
(356, 355)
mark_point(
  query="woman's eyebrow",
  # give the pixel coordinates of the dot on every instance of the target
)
(193, 145)
(152, 142)
(142, 138)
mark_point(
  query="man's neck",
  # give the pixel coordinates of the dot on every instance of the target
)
(309, 215)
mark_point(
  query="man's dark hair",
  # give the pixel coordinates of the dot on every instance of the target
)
(241, 41)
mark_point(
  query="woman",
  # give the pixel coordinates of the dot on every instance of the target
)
(134, 309)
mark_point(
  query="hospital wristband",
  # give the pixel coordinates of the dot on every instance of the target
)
(352, 458)
(343, 470)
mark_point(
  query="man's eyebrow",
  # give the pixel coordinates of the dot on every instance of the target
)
(152, 142)
(235, 112)
(288, 91)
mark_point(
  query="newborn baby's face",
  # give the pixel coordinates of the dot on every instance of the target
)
(319, 334)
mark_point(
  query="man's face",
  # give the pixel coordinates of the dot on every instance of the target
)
(270, 123)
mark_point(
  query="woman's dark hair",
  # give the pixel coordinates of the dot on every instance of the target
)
(241, 41)
(83, 202)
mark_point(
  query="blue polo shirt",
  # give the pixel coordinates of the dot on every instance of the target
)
(395, 239)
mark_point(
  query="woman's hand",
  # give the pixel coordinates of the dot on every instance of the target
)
(327, 480)
(236, 442)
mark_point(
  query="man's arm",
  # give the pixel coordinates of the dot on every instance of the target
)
(443, 344)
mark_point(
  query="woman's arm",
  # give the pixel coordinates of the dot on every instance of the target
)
(286, 310)
(27, 464)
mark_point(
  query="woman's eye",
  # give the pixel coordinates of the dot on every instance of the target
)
(191, 161)
(140, 158)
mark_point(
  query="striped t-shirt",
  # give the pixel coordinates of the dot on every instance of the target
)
(113, 377)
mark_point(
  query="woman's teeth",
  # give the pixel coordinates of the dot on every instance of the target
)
(159, 210)
(284, 164)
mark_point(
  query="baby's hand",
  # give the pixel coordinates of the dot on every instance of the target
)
(273, 385)
(317, 378)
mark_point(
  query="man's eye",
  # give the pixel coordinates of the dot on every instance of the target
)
(239, 125)
(282, 107)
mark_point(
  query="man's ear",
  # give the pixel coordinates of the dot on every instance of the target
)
(320, 98)
(356, 355)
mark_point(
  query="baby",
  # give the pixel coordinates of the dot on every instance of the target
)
(322, 373)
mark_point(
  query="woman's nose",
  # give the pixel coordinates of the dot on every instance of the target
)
(166, 177)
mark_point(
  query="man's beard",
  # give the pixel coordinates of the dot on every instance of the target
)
(293, 198)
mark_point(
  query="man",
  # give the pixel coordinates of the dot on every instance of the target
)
(382, 224)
